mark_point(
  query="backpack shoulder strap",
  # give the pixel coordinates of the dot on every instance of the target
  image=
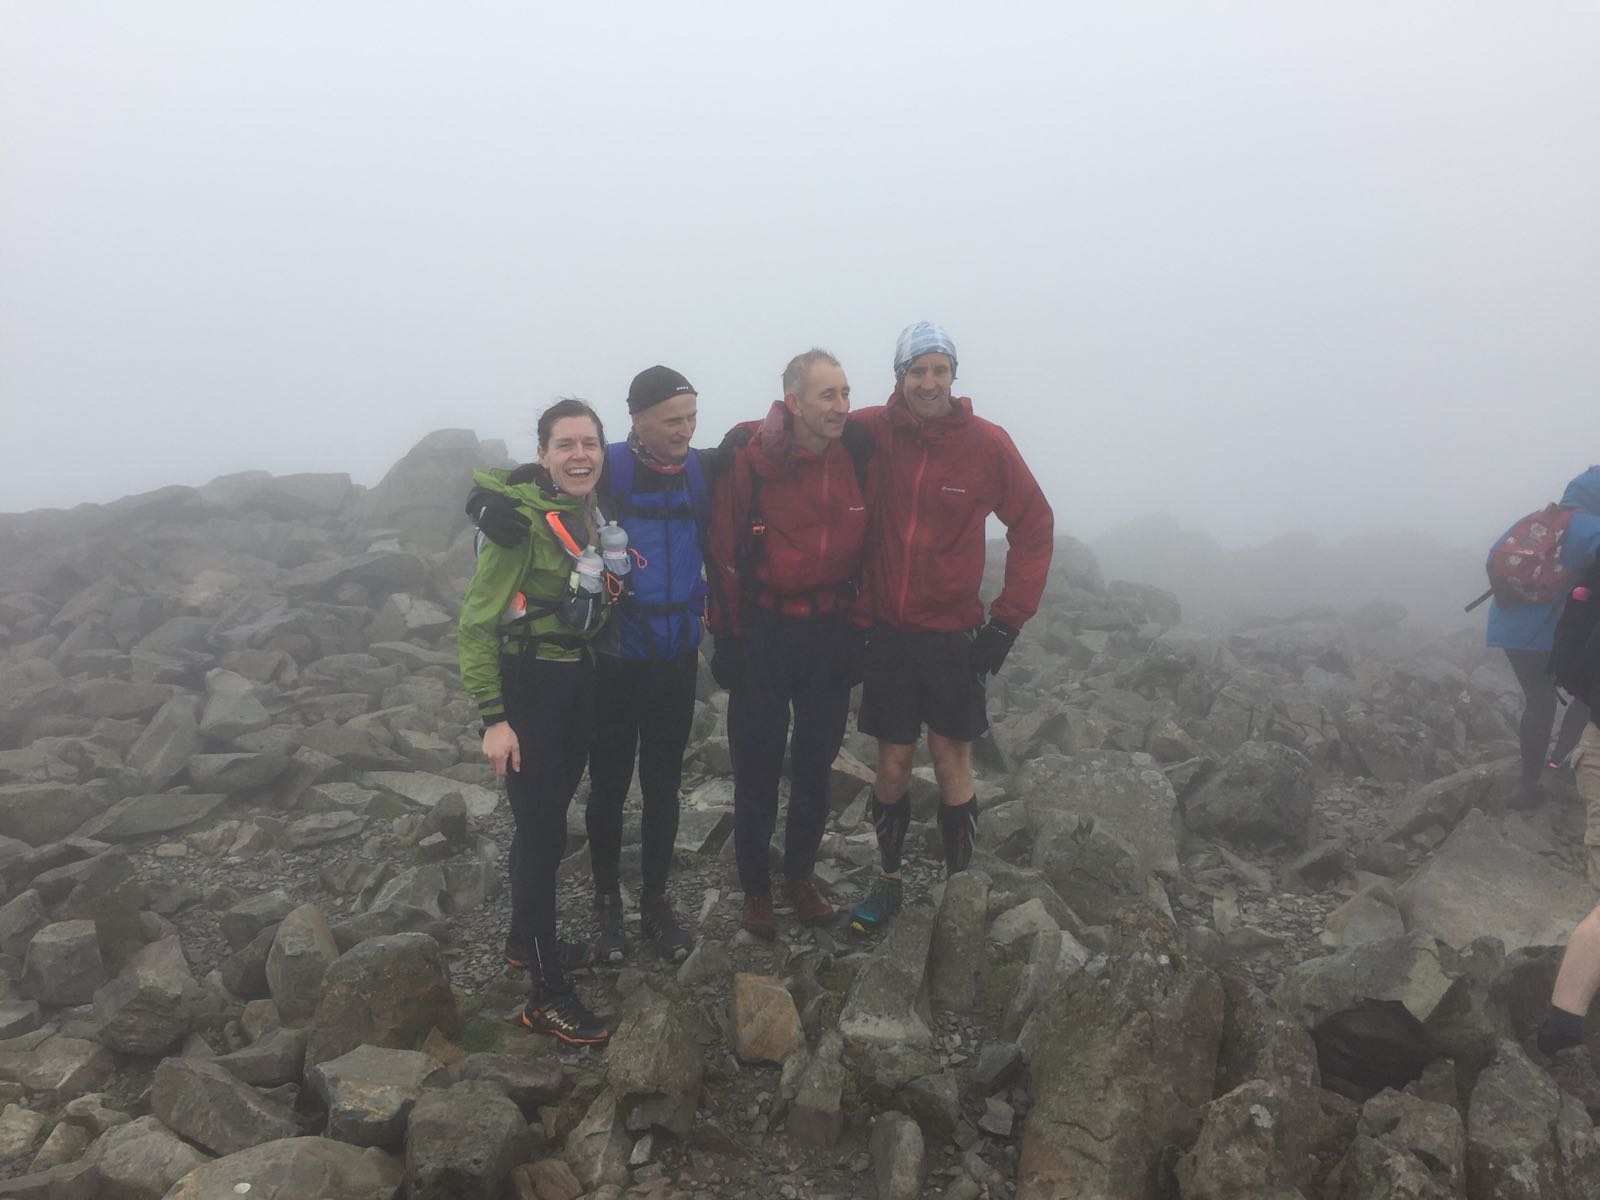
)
(694, 482)
(619, 463)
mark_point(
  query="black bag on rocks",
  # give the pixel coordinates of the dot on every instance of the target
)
(1375, 1045)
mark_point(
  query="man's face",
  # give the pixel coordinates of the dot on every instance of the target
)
(666, 429)
(926, 386)
(573, 455)
(823, 403)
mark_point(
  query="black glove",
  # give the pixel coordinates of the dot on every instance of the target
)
(727, 662)
(499, 518)
(990, 647)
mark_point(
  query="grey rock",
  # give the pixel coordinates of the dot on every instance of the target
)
(1245, 1147)
(20, 918)
(1128, 1062)
(1444, 802)
(18, 1017)
(888, 1002)
(212, 1108)
(323, 829)
(63, 964)
(57, 1068)
(816, 1117)
(244, 972)
(655, 1052)
(1055, 955)
(230, 713)
(1262, 793)
(1480, 883)
(301, 1168)
(120, 698)
(149, 1007)
(462, 1144)
(387, 991)
(1261, 1042)
(236, 771)
(530, 1081)
(1093, 868)
(998, 1064)
(275, 1058)
(899, 1164)
(956, 959)
(66, 1144)
(302, 951)
(1406, 1148)
(1525, 1138)
(167, 744)
(140, 1160)
(369, 1093)
(142, 816)
(1405, 969)
(599, 1146)
(1126, 794)
(424, 790)
(241, 923)
(935, 1101)
(38, 813)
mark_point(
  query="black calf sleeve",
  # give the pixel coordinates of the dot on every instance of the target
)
(891, 822)
(1559, 1030)
(958, 828)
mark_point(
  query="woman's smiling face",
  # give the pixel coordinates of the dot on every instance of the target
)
(573, 455)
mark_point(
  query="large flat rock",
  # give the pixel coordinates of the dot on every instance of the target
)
(425, 790)
(1480, 883)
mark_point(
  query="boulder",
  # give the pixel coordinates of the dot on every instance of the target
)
(1525, 1138)
(63, 964)
(143, 816)
(386, 991)
(140, 1161)
(299, 1168)
(1404, 968)
(38, 813)
(599, 1146)
(462, 1143)
(762, 1019)
(956, 953)
(1261, 794)
(246, 919)
(530, 1081)
(1480, 883)
(164, 749)
(899, 1163)
(1129, 1058)
(420, 494)
(237, 771)
(1444, 802)
(1126, 794)
(1246, 1147)
(212, 1108)
(655, 1053)
(57, 1068)
(424, 790)
(275, 1058)
(149, 1007)
(888, 1002)
(816, 1117)
(302, 951)
(1404, 1147)
(369, 1093)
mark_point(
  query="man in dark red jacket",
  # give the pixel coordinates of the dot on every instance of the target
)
(787, 526)
(937, 474)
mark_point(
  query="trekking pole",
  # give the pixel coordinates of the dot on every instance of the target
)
(1478, 601)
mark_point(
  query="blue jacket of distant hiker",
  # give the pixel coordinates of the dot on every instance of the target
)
(1533, 626)
(666, 516)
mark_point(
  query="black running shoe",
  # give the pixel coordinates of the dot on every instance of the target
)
(567, 1019)
(671, 939)
(610, 943)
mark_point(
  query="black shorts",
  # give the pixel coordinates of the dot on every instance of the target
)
(915, 677)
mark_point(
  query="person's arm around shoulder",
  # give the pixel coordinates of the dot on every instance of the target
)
(497, 516)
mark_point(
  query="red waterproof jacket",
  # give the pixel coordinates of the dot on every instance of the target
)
(932, 487)
(804, 555)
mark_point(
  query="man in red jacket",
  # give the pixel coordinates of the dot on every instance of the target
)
(787, 526)
(938, 473)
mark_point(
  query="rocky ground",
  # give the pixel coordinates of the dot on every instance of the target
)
(1250, 915)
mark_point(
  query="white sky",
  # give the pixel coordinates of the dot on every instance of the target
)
(1266, 265)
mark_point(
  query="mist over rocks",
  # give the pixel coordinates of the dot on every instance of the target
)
(249, 851)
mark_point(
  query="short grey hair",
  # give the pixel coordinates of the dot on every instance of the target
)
(798, 372)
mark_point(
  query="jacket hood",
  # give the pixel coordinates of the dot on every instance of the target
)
(1584, 492)
(532, 489)
(772, 445)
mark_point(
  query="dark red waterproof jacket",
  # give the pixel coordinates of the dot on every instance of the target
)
(932, 487)
(808, 558)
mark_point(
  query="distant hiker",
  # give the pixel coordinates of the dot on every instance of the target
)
(658, 490)
(526, 636)
(938, 474)
(1576, 984)
(786, 539)
(1529, 567)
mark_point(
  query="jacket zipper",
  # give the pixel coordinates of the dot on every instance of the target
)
(911, 528)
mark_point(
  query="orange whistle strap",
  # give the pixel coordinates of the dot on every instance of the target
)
(553, 519)
(638, 558)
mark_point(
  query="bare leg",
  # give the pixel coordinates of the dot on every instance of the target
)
(1579, 977)
(952, 767)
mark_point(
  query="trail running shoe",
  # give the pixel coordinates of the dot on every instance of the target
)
(880, 903)
(810, 907)
(610, 943)
(567, 1019)
(671, 940)
(757, 916)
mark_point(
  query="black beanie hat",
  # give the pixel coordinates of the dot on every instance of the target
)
(655, 384)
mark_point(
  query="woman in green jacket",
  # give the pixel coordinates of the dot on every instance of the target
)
(525, 643)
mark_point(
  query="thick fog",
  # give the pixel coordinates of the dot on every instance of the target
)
(1265, 266)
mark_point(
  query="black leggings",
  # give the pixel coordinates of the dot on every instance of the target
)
(550, 706)
(1539, 713)
(644, 708)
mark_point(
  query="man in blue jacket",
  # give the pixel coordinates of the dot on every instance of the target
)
(657, 488)
(1526, 632)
